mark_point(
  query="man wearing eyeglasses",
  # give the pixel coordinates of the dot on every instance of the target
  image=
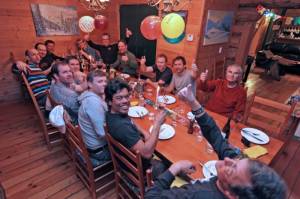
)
(228, 96)
(237, 178)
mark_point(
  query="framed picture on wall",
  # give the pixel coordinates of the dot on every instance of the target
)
(218, 27)
(54, 20)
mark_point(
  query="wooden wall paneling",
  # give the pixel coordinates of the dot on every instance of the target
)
(212, 51)
(17, 33)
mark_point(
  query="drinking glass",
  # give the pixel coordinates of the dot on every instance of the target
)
(151, 116)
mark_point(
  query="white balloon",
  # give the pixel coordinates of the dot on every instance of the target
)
(86, 24)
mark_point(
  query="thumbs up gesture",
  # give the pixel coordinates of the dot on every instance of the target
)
(203, 76)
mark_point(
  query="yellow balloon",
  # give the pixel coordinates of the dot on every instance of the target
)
(172, 25)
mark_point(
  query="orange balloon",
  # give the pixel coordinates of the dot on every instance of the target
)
(150, 27)
(101, 22)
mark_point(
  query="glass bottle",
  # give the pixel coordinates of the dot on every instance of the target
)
(226, 128)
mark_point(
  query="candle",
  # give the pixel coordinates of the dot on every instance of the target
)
(157, 94)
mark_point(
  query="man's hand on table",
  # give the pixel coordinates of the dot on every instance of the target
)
(185, 166)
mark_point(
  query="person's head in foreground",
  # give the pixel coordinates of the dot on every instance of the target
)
(179, 64)
(234, 74)
(117, 94)
(248, 178)
(238, 178)
(97, 82)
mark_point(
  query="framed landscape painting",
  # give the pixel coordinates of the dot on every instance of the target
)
(54, 20)
(218, 27)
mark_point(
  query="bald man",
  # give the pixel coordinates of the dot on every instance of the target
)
(229, 97)
(37, 78)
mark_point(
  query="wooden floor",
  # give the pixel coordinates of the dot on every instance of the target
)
(29, 170)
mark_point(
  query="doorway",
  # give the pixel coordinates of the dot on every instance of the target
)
(131, 17)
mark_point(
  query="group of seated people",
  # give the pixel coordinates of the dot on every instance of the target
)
(93, 101)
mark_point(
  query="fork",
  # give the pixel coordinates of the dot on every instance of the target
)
(139, 114)
(250, 132)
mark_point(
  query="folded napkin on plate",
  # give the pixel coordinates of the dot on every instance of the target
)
(255, 151)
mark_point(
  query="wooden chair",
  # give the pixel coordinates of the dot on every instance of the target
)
(51, 134)
(98, 179)
(219, 68)
(129, 183)
(270, 116)
(67, 147)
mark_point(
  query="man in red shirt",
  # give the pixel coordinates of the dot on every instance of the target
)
(229, 97)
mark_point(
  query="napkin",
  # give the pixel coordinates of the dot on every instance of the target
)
(255, 151)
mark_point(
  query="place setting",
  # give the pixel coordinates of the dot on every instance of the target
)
(166, 132)
(137, 111)
(255, 136)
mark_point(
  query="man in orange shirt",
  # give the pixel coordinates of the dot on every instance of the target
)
(229, 97)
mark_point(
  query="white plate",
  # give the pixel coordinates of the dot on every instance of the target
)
(190, 116)
(137, 111)
(167, 99)
(208, 168)
(264, 138)
(166, 131)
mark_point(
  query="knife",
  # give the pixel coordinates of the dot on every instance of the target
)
(253, 136)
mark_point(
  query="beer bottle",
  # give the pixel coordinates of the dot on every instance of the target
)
(226, 128)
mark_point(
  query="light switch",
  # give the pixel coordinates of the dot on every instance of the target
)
(189, 37)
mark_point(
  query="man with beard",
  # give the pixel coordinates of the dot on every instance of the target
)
(126, 61)
(182, 76)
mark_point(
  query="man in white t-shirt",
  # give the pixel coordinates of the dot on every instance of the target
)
(182, 77)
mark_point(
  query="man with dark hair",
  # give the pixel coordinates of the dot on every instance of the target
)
(86, 52)
(46, 61)
(61, 90)
(237, 178)
(91, 117)
(182, 76)
(122, 128)
(108, 50)
(163, 74)
(126, 61)
(50, 45)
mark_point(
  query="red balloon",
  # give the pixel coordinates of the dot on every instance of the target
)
(101, 22)
(150, 27)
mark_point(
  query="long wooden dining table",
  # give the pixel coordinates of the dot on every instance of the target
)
(185, 146)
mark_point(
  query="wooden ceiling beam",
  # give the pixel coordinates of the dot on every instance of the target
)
(271, 5)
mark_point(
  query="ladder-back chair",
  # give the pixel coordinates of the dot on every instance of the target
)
(98, 179)
(270, 116)
(51, 134)
(129, 183)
